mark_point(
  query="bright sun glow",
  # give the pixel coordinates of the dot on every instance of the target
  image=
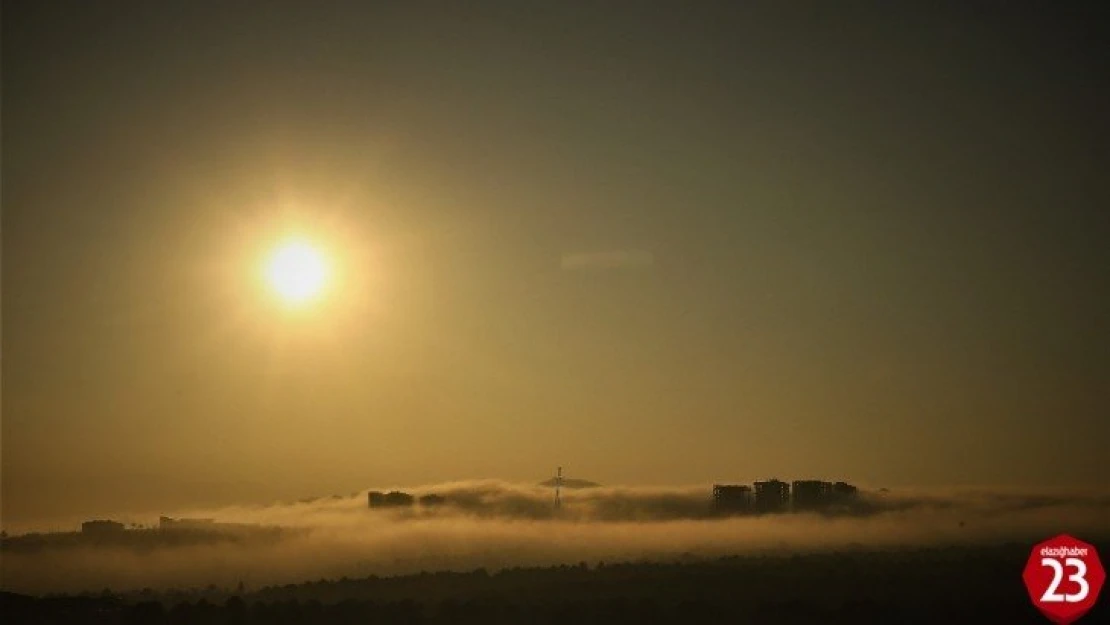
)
(297, 272)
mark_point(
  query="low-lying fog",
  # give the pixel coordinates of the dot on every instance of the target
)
(494, 525)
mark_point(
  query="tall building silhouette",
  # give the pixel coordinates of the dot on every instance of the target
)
(732, 498)
(771, 495)
(844, 490)
(811, 494)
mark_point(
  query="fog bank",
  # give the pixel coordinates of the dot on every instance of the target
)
(495, 524)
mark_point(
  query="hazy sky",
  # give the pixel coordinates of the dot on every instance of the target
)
(652, 242)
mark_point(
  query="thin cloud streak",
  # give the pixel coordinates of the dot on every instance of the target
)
(612, 259)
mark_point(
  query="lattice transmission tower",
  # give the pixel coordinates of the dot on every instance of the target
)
(558, 487)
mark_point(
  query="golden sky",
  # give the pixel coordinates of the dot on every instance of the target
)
(669, 247)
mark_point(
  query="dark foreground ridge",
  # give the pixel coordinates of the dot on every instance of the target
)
(937, 585)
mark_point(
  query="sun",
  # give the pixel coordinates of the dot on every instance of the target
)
(297, 272)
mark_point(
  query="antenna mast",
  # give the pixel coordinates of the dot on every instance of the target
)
(558, 486)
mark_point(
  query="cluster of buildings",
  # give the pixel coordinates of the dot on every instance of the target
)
(778, 496)
(398, 499)
(170, 523)
(101, 527)
(166, 524)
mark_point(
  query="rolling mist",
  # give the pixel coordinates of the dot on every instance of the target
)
(496, 525)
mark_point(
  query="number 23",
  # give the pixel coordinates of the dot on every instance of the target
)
(1079, 577)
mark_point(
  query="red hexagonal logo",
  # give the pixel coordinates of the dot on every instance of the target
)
(1064, 577)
